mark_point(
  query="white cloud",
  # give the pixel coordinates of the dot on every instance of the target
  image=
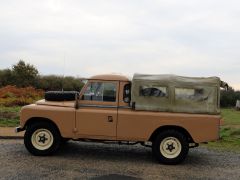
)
(191, 38)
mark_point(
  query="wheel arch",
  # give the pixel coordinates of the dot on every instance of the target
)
(174, 127)
(33, 120)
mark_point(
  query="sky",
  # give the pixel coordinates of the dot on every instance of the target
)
(88, 37)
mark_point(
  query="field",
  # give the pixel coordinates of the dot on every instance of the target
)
(9, 116)
(230, 131)
(11, 100)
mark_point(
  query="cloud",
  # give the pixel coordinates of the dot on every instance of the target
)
(191, 38)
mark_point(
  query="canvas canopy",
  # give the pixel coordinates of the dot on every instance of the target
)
(171, 93)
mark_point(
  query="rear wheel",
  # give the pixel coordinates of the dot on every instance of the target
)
(170, 147)
(42, 138)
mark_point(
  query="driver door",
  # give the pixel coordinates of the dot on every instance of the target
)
(96, 117)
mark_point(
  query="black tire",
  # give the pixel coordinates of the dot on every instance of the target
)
(39, 127)
(61, 95)
(170, 140)
(64, 141)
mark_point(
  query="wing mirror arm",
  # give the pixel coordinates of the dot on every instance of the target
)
(76, 101)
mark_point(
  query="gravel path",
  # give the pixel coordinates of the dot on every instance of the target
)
(77, 160)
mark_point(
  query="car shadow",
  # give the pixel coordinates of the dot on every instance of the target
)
(116, 152)
(101, 151)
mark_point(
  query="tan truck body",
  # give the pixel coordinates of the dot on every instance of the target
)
(114, 121)
(90, 119)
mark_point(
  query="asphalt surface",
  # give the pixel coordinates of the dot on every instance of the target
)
(78, 160)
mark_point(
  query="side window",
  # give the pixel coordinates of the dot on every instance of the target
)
(156, 91)
(99, 91)
(190, 94)
(94, 92)
(109, 92)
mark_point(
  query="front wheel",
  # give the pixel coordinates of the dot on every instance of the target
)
(42, 138)
(170, 147)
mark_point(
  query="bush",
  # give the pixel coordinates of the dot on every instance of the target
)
(229, 98)
(13, 96)
(58, 83)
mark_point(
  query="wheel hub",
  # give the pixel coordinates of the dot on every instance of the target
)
(170, 147)
(42, 139)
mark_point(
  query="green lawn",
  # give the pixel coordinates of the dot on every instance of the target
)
(230, 131)
(9, 116)
(231, 117)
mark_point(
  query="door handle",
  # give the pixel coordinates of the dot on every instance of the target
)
(110, 119)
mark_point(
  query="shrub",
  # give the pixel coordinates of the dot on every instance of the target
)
(229, 98)
(13, 96)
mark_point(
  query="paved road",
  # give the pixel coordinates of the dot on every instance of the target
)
(78, 160)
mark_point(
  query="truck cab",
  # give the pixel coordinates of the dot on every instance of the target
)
(100, 101)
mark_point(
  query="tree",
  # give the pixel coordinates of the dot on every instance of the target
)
(50, 83)
(24, 74)
(6, 77)
(229, 98)
(53, 83)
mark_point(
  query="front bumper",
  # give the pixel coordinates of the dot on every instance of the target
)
(19, 129)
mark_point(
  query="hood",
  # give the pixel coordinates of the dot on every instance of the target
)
(56, 103)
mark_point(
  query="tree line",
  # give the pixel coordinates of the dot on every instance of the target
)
(24, 75)
(229, 98)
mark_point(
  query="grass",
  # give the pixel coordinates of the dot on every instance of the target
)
(231, 117)
(229, 133)
(9, 116)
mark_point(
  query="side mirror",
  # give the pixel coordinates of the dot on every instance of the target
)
(127, 93)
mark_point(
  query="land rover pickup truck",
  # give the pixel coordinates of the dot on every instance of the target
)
(168, 113)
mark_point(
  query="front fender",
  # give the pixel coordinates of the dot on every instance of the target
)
(62, 117)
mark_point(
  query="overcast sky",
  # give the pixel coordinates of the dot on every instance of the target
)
(87, 37)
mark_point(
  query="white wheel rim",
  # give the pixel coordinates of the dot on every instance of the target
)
(170, 147)
(42, 139)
